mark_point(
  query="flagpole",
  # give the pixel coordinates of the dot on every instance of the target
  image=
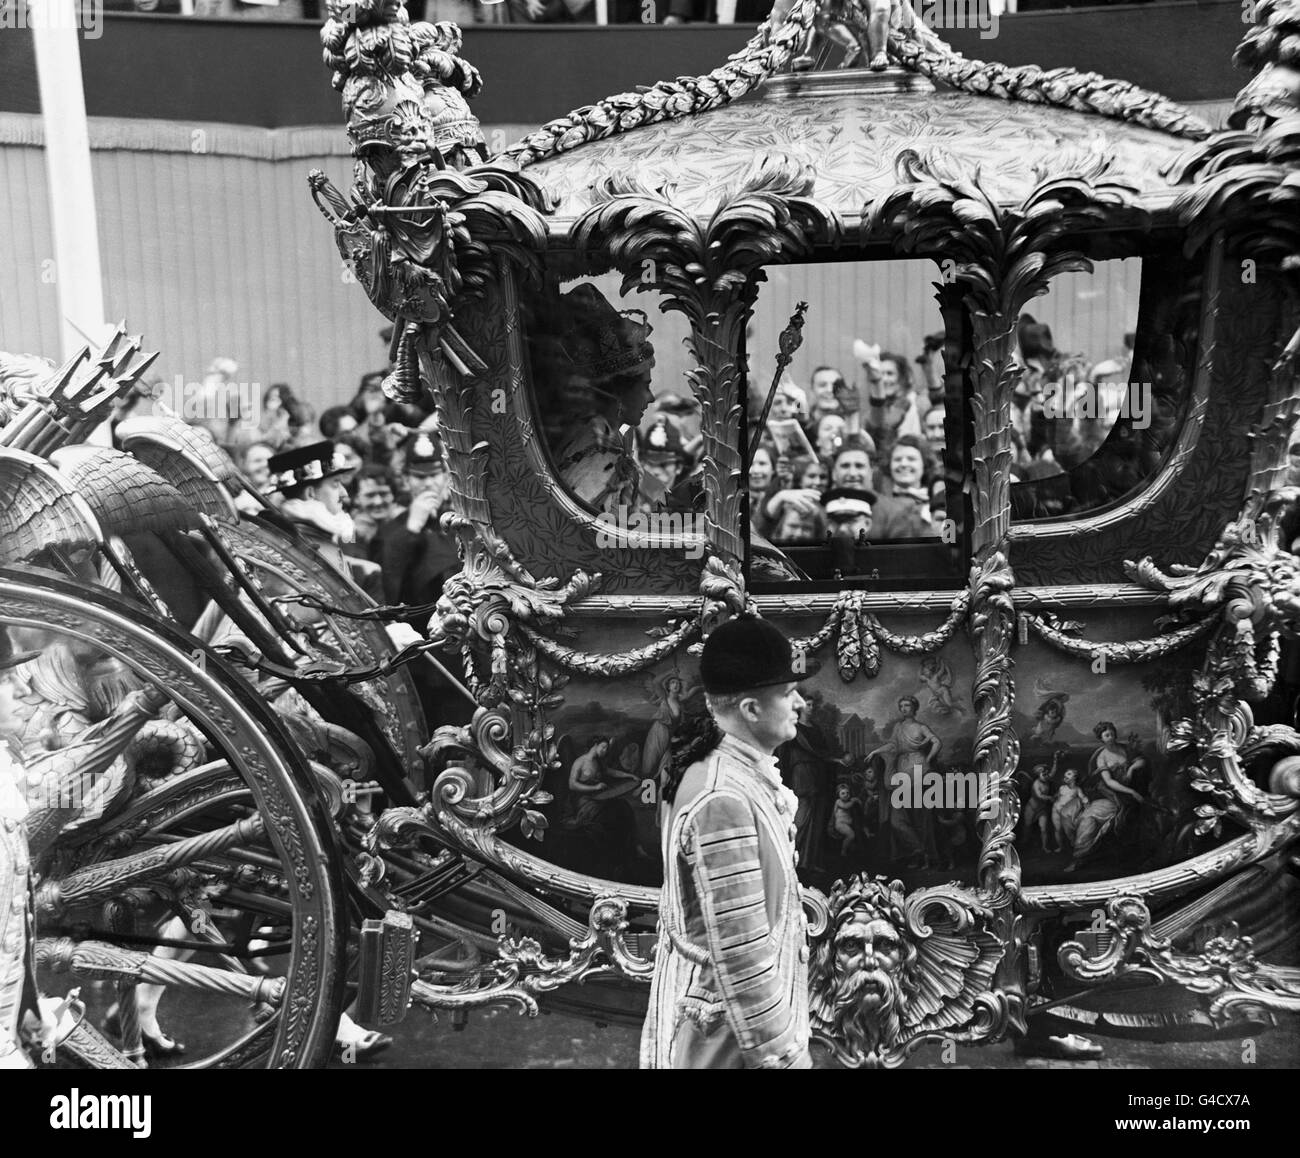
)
(78, 279)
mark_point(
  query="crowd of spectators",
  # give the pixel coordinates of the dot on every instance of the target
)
(865, 461)
(366, 481)
(860, 461)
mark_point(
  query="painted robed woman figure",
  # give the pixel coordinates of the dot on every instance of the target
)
(911, 749)
(1112, 797)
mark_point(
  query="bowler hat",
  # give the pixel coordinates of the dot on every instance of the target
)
(747, 653)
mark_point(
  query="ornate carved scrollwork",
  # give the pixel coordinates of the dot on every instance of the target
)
(1268, 50)
(781, 42)
(1245, 185)
(1252, 589)
(519, 768)
(1061, 635)
(1226, 971)
(425, 239)
(859, 634)
(705, 271)
(1001, 258)
(1063, 87)
(522, 970)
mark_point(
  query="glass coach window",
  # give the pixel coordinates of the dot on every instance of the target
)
(852, 445)
(1107, 370)
(613, 405)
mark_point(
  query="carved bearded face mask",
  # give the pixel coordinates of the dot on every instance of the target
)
(869, 956)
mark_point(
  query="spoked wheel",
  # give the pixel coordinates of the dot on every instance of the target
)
(185, 870)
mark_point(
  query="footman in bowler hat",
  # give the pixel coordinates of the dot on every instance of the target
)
(730, 988)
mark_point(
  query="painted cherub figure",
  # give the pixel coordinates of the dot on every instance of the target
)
(1049, 716)
(842, 819)
(1038, 809)
(1069, 803)
(937, 676)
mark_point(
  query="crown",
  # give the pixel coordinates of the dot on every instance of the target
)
(604, 341)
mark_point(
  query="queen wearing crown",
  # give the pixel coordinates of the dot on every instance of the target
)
(600, 365)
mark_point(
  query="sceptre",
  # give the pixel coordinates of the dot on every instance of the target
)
(790, 340)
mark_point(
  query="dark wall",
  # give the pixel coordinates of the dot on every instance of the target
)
(271, 74)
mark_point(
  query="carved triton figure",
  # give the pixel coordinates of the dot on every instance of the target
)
(881, 981)
(404, 86)
(416, 230)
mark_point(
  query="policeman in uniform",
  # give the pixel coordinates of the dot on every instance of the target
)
(414, 552)
(416, 557)
(730, 987)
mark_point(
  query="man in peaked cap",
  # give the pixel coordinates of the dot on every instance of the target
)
(849, 510)
(730, 987)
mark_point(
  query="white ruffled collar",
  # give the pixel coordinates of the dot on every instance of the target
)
(767, 769)
(339, 527)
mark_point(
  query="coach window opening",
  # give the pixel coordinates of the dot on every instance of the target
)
(615, 419)
(880, 354)
(1099, 411)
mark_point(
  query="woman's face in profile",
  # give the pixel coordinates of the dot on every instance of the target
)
(636, 401)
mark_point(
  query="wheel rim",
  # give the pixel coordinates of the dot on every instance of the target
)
(272, 776)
